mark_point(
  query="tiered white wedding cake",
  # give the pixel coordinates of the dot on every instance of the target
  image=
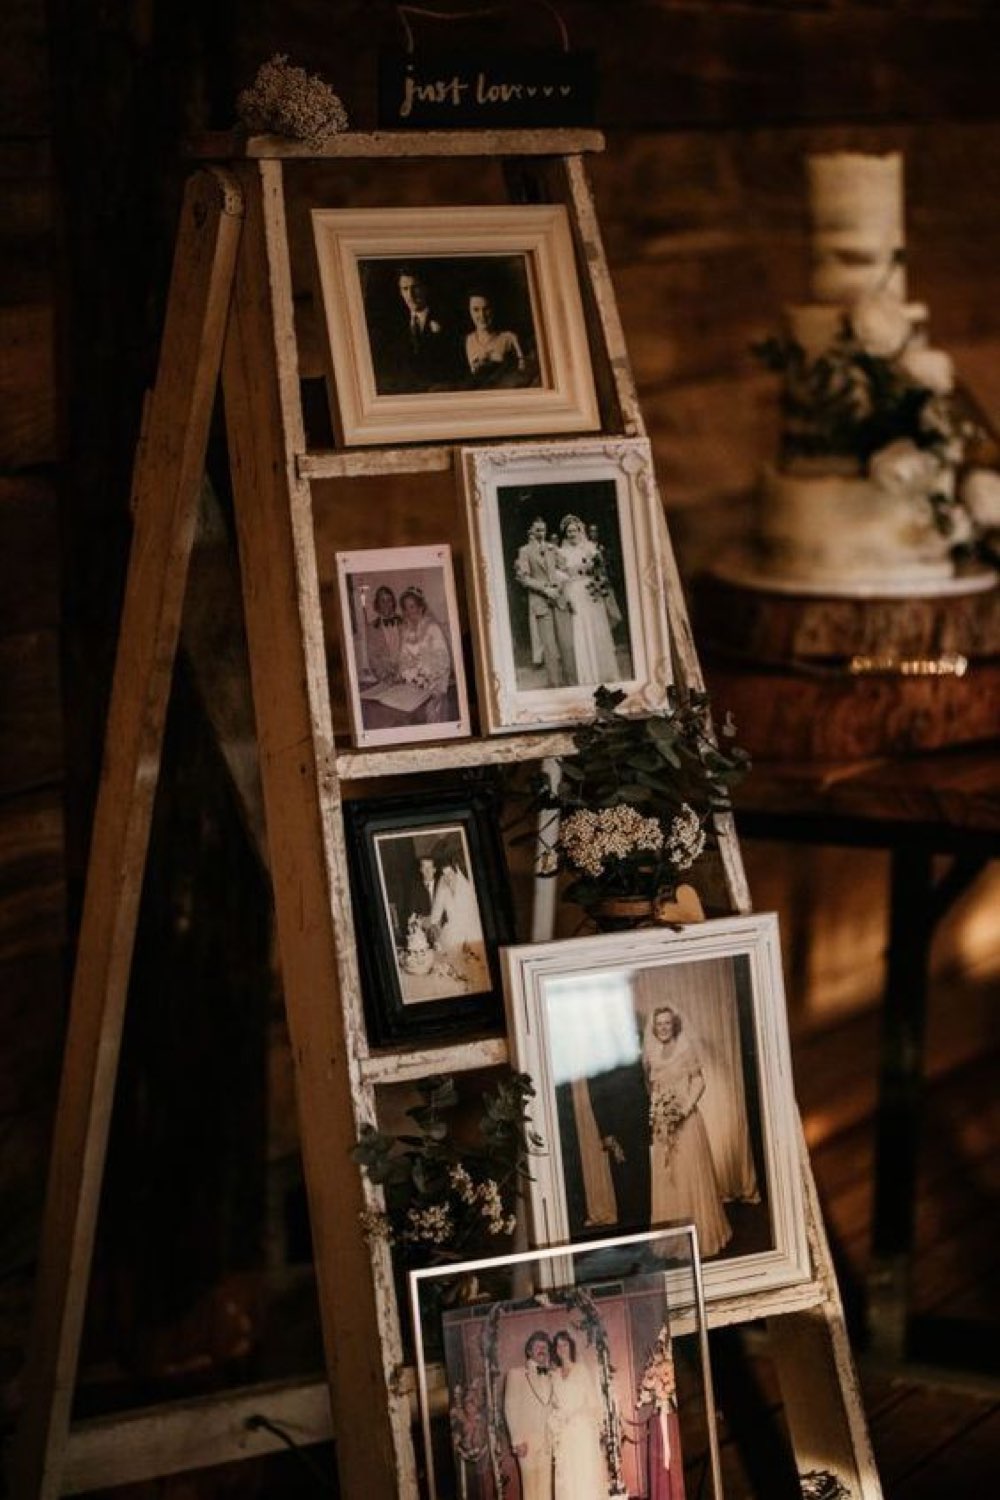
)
(863, 499)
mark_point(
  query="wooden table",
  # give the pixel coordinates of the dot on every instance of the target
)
(915, 807)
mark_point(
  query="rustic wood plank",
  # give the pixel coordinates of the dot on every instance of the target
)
(405, 1066)
(167, 478)
(501, 750)
(762, 629)
(194, 1434)
(31, 726)
(27, 386)
(306, 841)
(29, 554)
(32, 890)
(389, 144)
(364, 463)
(958, 789)
(813, 714)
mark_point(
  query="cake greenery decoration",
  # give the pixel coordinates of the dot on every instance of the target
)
(876, 396)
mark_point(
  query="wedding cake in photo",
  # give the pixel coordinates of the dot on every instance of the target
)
(872, 493)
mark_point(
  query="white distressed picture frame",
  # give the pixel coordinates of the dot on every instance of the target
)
(495, 594)
(527, 968)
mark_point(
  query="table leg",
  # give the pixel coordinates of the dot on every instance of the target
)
(911, 927)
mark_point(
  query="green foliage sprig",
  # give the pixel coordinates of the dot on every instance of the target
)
(445, 1198)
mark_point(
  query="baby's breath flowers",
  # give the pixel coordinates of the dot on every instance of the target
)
(283, 100)
(591, 841)
(446, 1200)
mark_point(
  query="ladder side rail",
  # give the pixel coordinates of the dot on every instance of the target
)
(815, 1366)
(306, 842)
(166, 485)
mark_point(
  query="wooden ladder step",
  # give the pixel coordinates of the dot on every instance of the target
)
(359, 765)
(229, 146)
(369, 463)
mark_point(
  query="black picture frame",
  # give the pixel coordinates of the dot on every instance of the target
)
(384, 836)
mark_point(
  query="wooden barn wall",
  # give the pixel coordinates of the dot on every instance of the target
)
(709, 107)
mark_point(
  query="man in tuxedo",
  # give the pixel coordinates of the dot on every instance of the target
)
(528, 1406)
(550, 615)
(422, 353)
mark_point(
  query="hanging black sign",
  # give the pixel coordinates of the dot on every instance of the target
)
(498, 91)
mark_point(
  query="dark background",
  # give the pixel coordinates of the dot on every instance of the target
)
(709, 106)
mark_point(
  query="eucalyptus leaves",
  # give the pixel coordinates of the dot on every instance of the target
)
(446, 1198)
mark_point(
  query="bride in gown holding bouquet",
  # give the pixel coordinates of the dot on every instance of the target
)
(581, 574)
(581, 1472)
(682, 1171)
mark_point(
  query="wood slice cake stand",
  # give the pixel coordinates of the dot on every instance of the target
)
(823, 677)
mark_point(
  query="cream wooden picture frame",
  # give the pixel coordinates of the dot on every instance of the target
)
(536, 613)
(580, 1015)
(518, 259)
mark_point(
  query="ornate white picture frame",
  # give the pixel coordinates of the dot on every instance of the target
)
(567, 580)
(453, 323)
(664, 1082)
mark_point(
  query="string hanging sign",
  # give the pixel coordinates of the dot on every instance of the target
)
(483, 86)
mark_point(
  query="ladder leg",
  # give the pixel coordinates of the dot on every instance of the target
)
(166, 483)
(371, 1421)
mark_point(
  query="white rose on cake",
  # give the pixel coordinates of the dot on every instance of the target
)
(931, 368)
(901, 468)
(981, 497)
(880, 324)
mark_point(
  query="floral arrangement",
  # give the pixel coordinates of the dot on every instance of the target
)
(658, 1386)
(283, 100)
(445, 1200)
(469, 1418)
(632, 808)
(876, 396)
(666, 1116)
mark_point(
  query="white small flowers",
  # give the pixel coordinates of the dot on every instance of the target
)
(687, 839)
(433, 1225)
(981, 496)
(283, 100)
(591, 839)
(487, 1195)
(901, 468)
(880, 324)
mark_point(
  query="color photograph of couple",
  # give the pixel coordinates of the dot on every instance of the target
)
(401, 630)
(433, 913)
(450, 323)
(566, 593)
(570, 1396)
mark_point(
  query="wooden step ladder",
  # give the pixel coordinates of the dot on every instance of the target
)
(230, 309)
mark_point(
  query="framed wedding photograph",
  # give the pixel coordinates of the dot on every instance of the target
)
(664, 1082)
(431, 879)
(402, 647)
(567, 585)
(453, 323)
(586, 1387)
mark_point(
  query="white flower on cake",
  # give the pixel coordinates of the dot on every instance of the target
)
(881, 324)
(902, 468)
(931, 368)
(981, 496)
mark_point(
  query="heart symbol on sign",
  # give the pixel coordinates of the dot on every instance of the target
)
(685, 907)
(564, 89)
(530, 90)
(548, 91)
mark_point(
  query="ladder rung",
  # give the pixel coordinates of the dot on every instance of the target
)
(455, 754)
(365, 463)
(401, 1066)
(224, 145)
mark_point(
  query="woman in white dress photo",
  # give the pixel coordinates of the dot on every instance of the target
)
(580, 1470)
(494, 355)
(581, 573)
(455, 923)
(684, 1184)
(424, 658)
